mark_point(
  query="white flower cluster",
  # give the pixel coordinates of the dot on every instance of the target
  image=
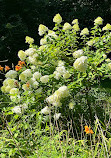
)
(22, 55)
(80, 64)
(85, 31)
(54, 99)
(76, 25)
(30, 52)
(43, 40)
(78, 53)
(52, 34)
(45, 110)
(107, 27)
(11, 74)
(25, 75)
(42, 29)
(67, 26)
(57, 116)
(61, 71)
(19, 108)
(8, 84)
(98, 21)
(90, 43)
(29, 40)
(32, 56)
(109, 66)
(44, 79)
(57, 18)
(37, 75)
(30, 79)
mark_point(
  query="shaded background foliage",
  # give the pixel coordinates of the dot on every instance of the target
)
(19, 18)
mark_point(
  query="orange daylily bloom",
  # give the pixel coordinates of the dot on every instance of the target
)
(17, 67)
(7, 68)
(1, 68)
(21, 63)
(88, 130)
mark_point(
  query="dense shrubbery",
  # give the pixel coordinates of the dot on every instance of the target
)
(55, 91)
(20, 18)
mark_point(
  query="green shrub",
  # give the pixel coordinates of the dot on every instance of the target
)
(57, 87)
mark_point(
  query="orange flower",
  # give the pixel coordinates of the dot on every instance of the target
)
(7, 68)
(88, 130)
(27, 84)
(17, 67)
(1, 68)
(21, 63)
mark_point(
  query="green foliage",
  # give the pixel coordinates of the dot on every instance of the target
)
(55, 90)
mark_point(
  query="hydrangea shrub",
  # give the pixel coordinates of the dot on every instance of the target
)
(58, 77)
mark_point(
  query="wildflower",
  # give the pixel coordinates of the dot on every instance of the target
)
(98, 21)
(22, 55)
(76, 27)
(107, 27)
(81, 64)
(78, 53)
(7, 68)
(88, 130)
(45, 110)
(57, 19)
(75, 21)
(44, 79)
(85, 31)
(42, 29)
(17, 67)
(21, 63)
(57, 116)
(29, 40)
(67, 26)
(1, 68)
